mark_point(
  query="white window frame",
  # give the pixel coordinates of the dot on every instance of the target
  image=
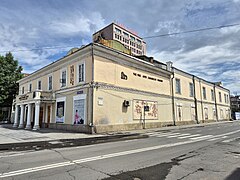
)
(22, 90)
(29, 87)
(84, 69)
(38, 83)
(176, 90)
(204, 92)
(64, 69)
(179, 106)
(206, 111)
(191, 85)
(50, 75)
(214, 113)
(212, 95)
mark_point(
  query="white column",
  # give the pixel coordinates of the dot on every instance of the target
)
(21, 125)
(16, 116)
(28, 126)
(36, 120)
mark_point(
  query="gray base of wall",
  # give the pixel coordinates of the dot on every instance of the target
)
(127, 127)
(122, 127)
(73, 128)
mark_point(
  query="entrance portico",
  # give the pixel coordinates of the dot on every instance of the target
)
(32, 107)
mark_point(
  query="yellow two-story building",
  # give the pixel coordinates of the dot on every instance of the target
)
(99, 89)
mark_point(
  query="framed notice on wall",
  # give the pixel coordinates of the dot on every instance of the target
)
(79, 109)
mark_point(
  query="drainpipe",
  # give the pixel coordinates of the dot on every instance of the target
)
(195, 99)
(215, 101)
(201, 100)
(173, 103)
(92, 89)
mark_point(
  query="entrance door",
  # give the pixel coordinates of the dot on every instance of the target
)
(48, 116)
(41, 117)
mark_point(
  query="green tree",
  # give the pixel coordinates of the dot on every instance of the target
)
(10, 73)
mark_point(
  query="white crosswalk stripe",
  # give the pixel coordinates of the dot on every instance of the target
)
(178, 135)
(229, 140)
(183, 136)
(162, 134)
(201, 137)
(214, 139)
(194, 135)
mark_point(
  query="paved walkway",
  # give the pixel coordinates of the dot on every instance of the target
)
(12, 135)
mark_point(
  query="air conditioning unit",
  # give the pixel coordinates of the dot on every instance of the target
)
(126, 103)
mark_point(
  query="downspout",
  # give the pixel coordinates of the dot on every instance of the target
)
(173, 103)
(92, 89)
(215, 101)
(195, 99)
(201, 100)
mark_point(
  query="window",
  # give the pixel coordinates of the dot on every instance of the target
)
(39, 85)
(49, 82)
(125, 34)
(132, 38)
(212, 95)
(30, 88)
(178, 86)
(22, 90)
(225, 98)
(206, 113)
(81, 73)
(191, 89)
(138, 41)
(204, 93)
(179, 112)
(220, 97)
(214, 113)
(221, 113)
(118, 31)
(64, 78)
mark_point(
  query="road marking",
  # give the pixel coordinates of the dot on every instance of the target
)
(163, 134)
(105, 156)
(207, 136)
(189, 136)
(153, 134)
(229, 140)
(214, 139)
(12, 155)
(178, 135)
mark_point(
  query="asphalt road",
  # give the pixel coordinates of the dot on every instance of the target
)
(210, 152)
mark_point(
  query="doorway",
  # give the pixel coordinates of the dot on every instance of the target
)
(48, 116)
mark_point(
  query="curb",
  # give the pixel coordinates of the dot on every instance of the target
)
(60, 143)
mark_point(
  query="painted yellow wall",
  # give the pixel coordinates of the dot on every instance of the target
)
(106, 71)
(111, 111)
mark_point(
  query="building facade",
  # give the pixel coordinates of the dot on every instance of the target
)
(126, 37)
(99, 89)
(235, 106)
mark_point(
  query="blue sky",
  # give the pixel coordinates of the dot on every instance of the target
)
(40, 32)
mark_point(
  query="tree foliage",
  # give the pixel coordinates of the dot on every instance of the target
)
(10, 73)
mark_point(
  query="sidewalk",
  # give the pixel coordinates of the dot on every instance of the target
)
(21, 139)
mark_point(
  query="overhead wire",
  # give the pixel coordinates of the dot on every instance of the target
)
(191, 31)
(147, 37)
